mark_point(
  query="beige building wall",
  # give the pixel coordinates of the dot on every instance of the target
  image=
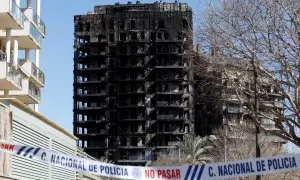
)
(5, 134)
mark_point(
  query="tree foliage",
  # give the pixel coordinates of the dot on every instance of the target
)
(197, 149)
(267, 32)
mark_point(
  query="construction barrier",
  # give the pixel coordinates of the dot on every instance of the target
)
(250, 167)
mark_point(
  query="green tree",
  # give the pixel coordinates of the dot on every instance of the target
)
(197, 149)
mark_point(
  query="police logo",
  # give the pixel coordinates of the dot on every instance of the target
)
(136, 173)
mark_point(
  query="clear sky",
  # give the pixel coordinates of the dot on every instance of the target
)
(56, 57)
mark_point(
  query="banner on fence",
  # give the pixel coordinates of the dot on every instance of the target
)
(266, 165)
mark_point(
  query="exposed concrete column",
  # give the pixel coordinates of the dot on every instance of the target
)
(36, 107)
(16, 53)
(37, 58)
(128, 141)
(28, 4)
(140, 142)
(8, 44)
(27, 54)
(6, 93)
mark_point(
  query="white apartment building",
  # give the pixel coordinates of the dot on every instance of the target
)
(21, 78)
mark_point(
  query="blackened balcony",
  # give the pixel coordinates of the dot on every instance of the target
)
(131, 92)
(176, 132)
(132, 77)
(132, 133)
(98, 146)
(169, 117)
(132, 119)
(91, 93)
(90, 134)
(90, 122)
(91, 81)
(125, 147)
(168, 104)
(131, 105)
(91, 68)
(131, 66)
(170, 92)
(92, 108)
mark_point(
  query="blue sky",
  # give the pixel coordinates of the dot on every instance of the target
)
(56, 57)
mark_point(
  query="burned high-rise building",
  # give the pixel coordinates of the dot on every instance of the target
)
(132, 87)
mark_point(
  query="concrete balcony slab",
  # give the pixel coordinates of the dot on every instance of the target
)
(10, 76)
(11, 16)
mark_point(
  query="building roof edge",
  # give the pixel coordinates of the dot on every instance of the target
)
(40, 116)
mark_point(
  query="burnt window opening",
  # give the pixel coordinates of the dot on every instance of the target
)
(111, 25)
(180, 36)
(159, 35)
(142, 35)
(101, 38)
(133, 48)
(134, 141)
(103, 25)
(152, 49)
(83, 39)
(166, 36)
(153, 36)
(101, 51)
(151, 24)
(161, 24)
(112, 50)
(142, 48)
(111, 37)
(143, 24)
(132, 24)
(123, 49)
(123, 62)
(133, 36)
(179, 49)
(87, 26)
(123, 141)
(184, 23)
(80, 27)
(122, 24)
(122, 36)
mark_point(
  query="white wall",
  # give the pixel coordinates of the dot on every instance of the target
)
(29, 130)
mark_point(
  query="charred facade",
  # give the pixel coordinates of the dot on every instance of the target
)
(133, 95)
(225, 99)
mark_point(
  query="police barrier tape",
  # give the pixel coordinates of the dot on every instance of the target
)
(267, 165)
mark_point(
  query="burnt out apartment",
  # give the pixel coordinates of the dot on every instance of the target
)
(132, 87)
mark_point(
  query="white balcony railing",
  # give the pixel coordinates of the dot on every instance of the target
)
(16, 12)
(12, 74)
(37, 73)
(35, 35)
(33, 70)
(39, 23)
(34, 91)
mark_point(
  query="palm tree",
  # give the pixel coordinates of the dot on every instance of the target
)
(197, 149)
